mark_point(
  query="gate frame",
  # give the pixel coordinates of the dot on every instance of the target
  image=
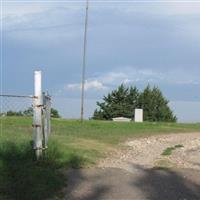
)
(41, 116)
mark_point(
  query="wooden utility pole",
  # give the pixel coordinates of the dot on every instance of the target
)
(84, 63)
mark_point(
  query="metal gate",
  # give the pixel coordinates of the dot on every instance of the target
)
(37, 106)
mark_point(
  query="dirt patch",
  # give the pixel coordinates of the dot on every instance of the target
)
(147, 152)
(146, 184)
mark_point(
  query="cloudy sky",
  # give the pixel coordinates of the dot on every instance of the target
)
(130, 42)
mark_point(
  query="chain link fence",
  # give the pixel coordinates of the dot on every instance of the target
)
(13, 105)
(37, 107)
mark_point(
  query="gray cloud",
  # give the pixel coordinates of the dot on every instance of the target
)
(134, 43)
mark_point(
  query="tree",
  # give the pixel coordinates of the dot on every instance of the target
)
(54, 113)
(13, 113)
(132, 101)
(124, 100)
(28, 112)
(155, 106)
(120, 102)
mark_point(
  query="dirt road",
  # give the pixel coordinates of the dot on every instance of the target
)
(138, 171)
(147, 152)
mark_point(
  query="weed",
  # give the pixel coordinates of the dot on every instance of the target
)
(168, 151)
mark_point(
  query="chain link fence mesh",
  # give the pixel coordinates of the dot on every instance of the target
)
(16, 106)
(19, 117)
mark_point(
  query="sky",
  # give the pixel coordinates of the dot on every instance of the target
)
(131, 42)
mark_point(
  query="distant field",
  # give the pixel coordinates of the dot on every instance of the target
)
(72, 144)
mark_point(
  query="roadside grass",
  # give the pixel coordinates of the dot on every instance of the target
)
(72, 145)
(168, 151)
(22, 177)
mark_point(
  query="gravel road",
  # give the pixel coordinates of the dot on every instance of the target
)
(147, 152)
(138, 171)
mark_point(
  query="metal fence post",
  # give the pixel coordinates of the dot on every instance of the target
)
(37, 114)
(46, 118)
(49, 115)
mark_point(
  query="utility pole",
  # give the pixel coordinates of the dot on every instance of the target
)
(84, 62)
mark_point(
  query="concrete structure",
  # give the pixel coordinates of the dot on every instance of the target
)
(121, 119)
(138, 115)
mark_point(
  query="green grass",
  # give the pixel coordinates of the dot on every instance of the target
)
(168, 151)
(72, 144)
(178, 146)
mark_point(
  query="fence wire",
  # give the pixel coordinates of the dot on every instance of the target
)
(37, 110)
(16, 105)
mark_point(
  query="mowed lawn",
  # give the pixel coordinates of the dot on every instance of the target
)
(71, 144)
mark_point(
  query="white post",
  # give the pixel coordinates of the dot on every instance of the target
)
(37, 114)
(138, 115)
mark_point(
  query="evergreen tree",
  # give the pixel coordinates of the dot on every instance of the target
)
(124, 100)
(132, 101)
(155, 106)
(118, 103)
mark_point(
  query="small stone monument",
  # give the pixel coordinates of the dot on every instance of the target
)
(138, 115)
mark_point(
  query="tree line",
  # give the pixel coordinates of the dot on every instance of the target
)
(122, 102)
(29, 113)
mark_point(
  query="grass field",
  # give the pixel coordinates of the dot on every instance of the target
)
(72, 144)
